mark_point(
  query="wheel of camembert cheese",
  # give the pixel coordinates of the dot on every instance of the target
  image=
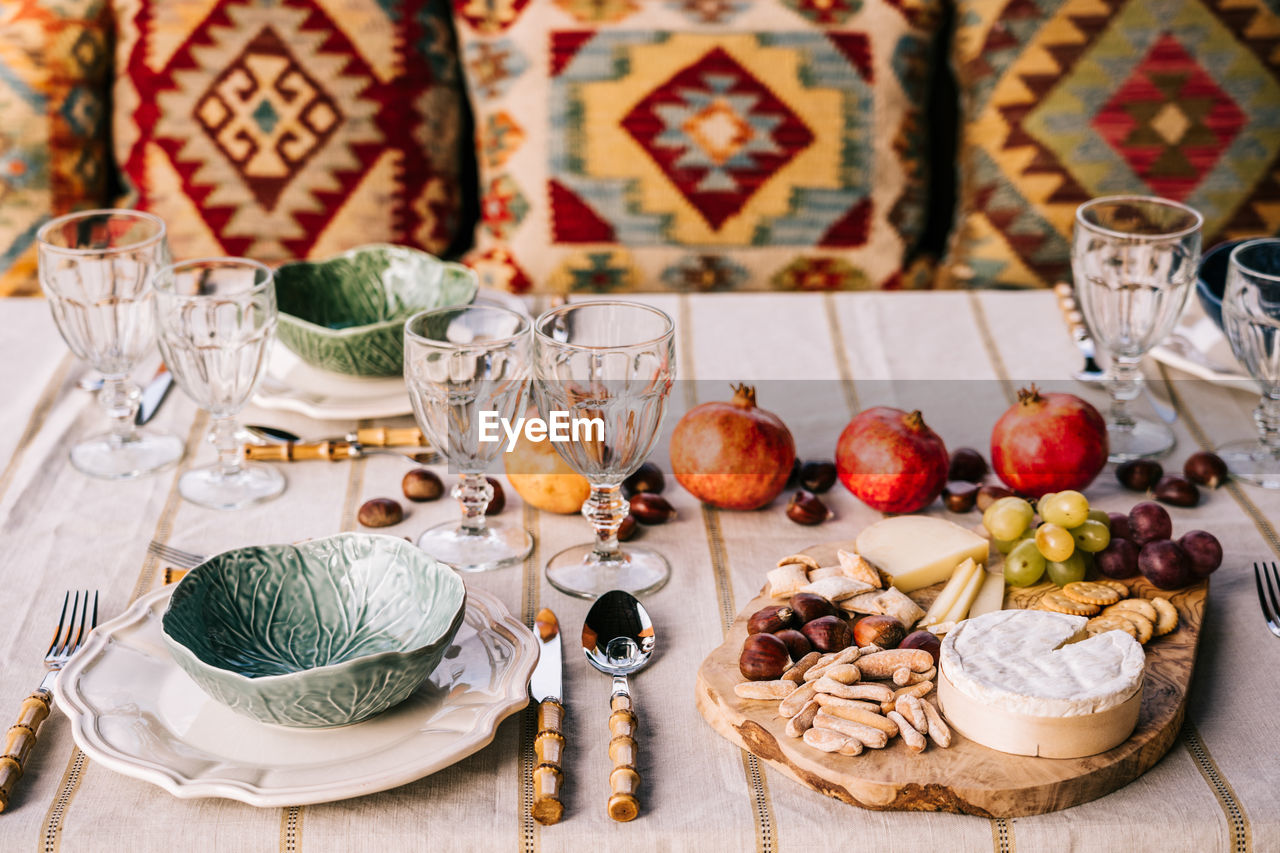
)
(1031, 682)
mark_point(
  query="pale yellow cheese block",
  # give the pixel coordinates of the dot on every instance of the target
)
(917, 551)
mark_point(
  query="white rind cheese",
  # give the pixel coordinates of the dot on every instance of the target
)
(1029, 662)
(918, 550)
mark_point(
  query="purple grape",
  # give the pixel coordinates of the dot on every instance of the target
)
(1149, 522)
(1118, 560)
(1165, 564)
(1203, 550)
(1119, 525)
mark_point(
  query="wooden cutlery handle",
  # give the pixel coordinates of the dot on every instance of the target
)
(624, 779)
(294, 451)
(20, 740)
(391, 437)
(547, 776)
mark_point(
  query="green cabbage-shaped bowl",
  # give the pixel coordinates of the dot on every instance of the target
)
(321, 634)
(346, 314)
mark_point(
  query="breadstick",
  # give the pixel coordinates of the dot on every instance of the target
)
(920, 677)
(919, 690)
(826, 700)
(910, 707)
(802, 722)
(863, 716)
(871, 692)
(829, 660)
(797, 699)
(845, 673)
(938, 729)
(800, 667)
(779, 689)
(832, 741)
(872, 737)
(902, 676)
(914, 740)
(884, 664)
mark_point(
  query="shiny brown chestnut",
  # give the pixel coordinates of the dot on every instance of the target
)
(627, 529)
(987, 495)
(808, 606)
(764, 657)
(967, 464)
(1138, 475)
(883, 631)
(959, 496)
(422, 484)
(1176, 491)
(798, 644)
(499, 500)
(1205, 469)
(380, 512)
(770, 620)
(647, 478)
(807, 508)
(923, 640)
(651, 508)
(828, 634)
(818, 475)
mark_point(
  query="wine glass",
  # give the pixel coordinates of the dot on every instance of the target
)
(1251, 317)
(461, 364)
(95, 269)
(1134, 259)
(217, 317)
(612, 363)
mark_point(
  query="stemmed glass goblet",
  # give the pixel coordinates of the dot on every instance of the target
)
(1251, 317)
(95, 269)
(1134, 259)
(615, 362)
(459, 362)
(217, 317)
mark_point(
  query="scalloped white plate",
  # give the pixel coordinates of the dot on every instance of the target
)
(133, 710)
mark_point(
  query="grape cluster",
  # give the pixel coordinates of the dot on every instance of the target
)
(1063, 544)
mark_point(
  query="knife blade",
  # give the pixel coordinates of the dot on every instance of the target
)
(153, 395)
(547, 687)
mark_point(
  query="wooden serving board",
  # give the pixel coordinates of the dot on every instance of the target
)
(967, 778)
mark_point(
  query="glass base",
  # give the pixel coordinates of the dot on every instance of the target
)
(210, 487)
(578, 571)
(498, 546)
(106, 457)
(1140, 440)
(1252, 462)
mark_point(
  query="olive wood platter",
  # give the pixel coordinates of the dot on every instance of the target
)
(967, 778)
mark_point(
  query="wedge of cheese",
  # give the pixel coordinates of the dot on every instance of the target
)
(990, 597)
(917, 551)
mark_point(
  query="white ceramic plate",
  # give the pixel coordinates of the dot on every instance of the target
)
(292, 385)
(1199, 348)
(133, 710)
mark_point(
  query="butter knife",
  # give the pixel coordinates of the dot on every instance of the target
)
(153, 395)
(334, 451)
(547, 687)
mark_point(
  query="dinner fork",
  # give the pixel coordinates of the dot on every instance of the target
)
(180, 558)
(1270, 610)
(67, 639)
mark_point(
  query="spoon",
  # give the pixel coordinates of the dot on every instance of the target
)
(618, 640)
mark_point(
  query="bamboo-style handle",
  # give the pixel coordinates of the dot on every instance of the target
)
(391, 437)
(547, 776)
(296, 451)
(20, 740)
(624, 779)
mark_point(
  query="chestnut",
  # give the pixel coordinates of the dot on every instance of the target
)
(883, 631)
(923, 640)
(798, 644)
(764, 657)
(967, 464)
(987, 495)
(499, 500)
(807, 508)
(960, 495)
(647, 478)
(808, 606)
(828, 634)
(651, 508)
(1176, 491)
(1205, 469)
(818, 475)
(422, 484)
(627, 528)
(770, 620)
(380, 512)
(1138, 475)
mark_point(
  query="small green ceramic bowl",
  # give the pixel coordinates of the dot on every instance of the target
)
(321, 634)
(346, 314)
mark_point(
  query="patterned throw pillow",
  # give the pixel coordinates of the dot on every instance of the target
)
(279, 129)
(54, 153)
(698, 144)
(1066, 100)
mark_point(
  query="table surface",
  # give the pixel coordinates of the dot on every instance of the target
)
(816, 358)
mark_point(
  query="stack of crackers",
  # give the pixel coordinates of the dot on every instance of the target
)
(1108, 602)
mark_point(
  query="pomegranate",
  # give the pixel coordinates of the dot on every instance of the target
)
(1048, 443)
(732, 454)
(891, 460)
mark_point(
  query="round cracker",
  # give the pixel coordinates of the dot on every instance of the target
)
(1119, 586)
(1135, 605)
(1058, 602)
(1144, 626)
(1091, 593)
(1167, 616)
(1102, 624)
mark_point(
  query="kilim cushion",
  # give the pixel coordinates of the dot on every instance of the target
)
(54, 154)
(698, 144)
(280, 129)
(1065, 100)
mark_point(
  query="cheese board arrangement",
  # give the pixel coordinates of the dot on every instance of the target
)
(927, 666)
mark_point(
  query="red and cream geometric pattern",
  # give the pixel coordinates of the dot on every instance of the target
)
(292, 129)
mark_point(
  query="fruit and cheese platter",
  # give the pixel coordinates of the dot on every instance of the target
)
(926, 665)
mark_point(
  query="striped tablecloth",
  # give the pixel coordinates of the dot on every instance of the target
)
(958, 356)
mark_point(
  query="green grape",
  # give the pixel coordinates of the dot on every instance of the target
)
(1024, 565)
(1044, 499)
(1100, 515)
(1092, 536)
(1054, 541)
(1004, 546)
(1007, 518)
(1067, 509)
(1070, 570)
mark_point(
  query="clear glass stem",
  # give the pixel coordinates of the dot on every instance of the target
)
(606, 509)
(119, 398)
(223, 436)
(1267, 416)
(474, 493)
(1124, 387)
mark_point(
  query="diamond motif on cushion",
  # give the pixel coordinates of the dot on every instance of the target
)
(826, 11)
(503, 207)
(598, 11)
(493, 65)
(815, 274)
(489, 16)
(708, 11)
(704, 273)
(1169, 120)
(717, 133)
(267, 116)
(502, 136)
